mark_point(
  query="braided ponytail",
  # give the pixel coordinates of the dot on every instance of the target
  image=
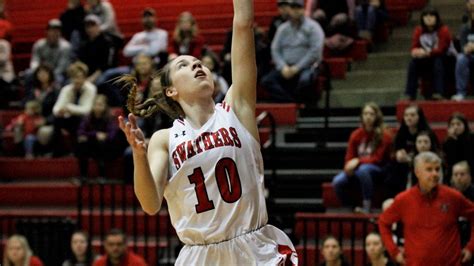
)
(158, 102)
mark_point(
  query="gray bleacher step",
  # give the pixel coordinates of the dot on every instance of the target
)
(341, 121)
(289, 201)
(383, 61)
(383, 96)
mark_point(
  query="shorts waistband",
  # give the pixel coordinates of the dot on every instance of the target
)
(226, 240)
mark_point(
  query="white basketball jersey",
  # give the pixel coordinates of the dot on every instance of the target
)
(215, 190)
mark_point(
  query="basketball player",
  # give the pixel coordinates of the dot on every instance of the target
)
(208, 165)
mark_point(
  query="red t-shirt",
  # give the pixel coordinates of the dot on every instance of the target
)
(441, 42)
(35, 261)
(130, 259)
(430, 225)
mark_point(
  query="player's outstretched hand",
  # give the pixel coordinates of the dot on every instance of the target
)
(135, 136)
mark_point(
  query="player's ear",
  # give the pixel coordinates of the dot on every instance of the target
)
(171, 92)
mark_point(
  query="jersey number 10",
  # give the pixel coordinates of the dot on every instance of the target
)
(228, 182)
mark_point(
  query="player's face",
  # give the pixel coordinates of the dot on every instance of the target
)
(423, 143)
(461, 177)
(331, 250)
(373, 246)
(190, 78)
(411, 117)
(15, 252)
(428, 175)
(79, 245)
(115, 246)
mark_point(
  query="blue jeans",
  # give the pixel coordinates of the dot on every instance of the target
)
(464, 65)
(289, 90)
(420, 66)
(365, 174)
(29, 143)
(366, 17)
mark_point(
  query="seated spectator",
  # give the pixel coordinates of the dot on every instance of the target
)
(459, 144)
(105, 11)
(44, 91)
(368, 14)
(53, 51)
(96, 137)
(414, 121)
(98, 51)
(332, 252)
(430, 44)
(220, 84)
(296, 51)
(18, 252)
(186, 38)
(367, 152)
(6, 27)
(25, 126)
(465, 60)
(323, 11)
(376, 251)
(81, 250)
(7, 74)
(425, 142)
(340, 34)
(283, 13)
(262, 55)
(72, 20)
(116, 252)
(152, 41)
(74, 102)
(461, 179)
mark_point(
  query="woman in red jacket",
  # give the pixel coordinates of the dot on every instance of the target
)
(430, 44)
(367, 151)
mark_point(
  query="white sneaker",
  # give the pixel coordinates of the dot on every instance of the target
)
(458, 97)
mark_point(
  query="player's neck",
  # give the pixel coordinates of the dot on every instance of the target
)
(198, 114)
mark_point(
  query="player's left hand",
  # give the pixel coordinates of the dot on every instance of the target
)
(466, 255)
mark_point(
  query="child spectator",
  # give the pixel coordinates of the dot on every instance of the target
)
(25, 127)
(96, 135)
(332, 252)
(376, 251)
(81, 250)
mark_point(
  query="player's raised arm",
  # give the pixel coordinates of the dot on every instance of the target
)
(242, 95)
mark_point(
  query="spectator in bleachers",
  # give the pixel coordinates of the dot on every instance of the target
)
(413, 122)
(368, 14)
(6, 27)
(367, 153)
(340, 34)
(332, 252)
(376, 251)
(221, 86)
(430, 45)
(74, 102)
(465, 60)
(25, 126)
(98, 51)
(116, 252)
(7, 74)
(461, 179)
(459, 144)
(429, 213)
(425, 141)
(324, 11)
(262, 54)
(96, 136)
(53, 51)
(105, 11)
(186, 38)
(44, 91)
(152, 41)
(18, 252)
(72, 20)
(283, 14)
(81, 250)
(296, 51)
